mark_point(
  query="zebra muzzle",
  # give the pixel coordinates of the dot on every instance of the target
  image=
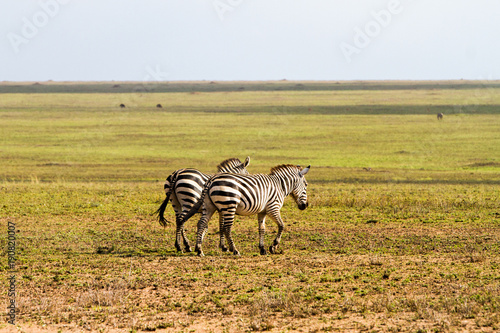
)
(303, 206)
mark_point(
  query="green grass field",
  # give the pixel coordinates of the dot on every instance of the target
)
(402, 233)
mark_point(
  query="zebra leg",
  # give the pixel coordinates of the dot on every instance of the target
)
(221, 233)
(179, 231)
(262, 231)
(277, 218)
(208, 210)
(182, 232)
(228, 215)
(187, 247)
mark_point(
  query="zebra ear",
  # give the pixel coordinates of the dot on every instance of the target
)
(304, 171)
(247, 161)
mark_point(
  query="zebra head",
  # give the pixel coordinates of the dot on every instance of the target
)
(293, 182)
(299, 191)
(234, 165)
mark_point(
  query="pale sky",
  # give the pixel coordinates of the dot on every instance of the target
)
(174, 40)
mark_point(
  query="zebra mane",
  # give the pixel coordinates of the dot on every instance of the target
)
(230, 163)
(284, 167)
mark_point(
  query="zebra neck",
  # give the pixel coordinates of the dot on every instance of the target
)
(283, 184)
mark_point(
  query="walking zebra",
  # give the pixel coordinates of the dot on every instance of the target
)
(232, 194)
(184, 187)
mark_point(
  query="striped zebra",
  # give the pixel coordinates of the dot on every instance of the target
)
(264, 195)
(184, 187)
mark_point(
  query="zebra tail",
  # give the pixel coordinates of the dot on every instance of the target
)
(197, 205)
(161, 211)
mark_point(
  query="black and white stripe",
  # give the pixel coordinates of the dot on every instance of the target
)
(264, 195)
(184, 188)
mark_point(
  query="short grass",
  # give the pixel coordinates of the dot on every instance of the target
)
(401, 233)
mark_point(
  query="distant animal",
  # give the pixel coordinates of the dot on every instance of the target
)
(158, 106)
(122, 105)
(440, 116)
(184, 188)
(264, 195)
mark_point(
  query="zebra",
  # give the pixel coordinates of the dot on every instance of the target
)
(440, 116)
(184, 188)
(260, 194)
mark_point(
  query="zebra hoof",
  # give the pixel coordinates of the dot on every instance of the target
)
(272, 249)
(263, 251)
(236, 252)
(198, 250)
(223, 248)
(178, 248)
(188, 249)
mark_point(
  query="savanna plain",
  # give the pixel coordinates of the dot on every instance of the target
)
(402, 233)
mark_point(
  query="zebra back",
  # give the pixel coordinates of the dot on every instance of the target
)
(285, 178)
(234, 165)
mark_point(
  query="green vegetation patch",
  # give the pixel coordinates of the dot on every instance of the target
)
(401, 233)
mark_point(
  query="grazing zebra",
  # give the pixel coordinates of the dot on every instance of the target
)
(184, 188)
(440, 116)
(232, 194)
